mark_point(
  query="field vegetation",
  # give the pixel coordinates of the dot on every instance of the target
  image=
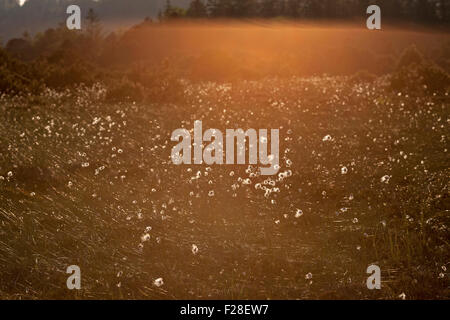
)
(86, 177)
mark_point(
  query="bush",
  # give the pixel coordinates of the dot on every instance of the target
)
(161, 83)
(15, 76)
(410, 57)
(406, 79)
(435, 78)
(61, 76)
(124, 90)
(362, 76)
(417, 75)
(420, 79)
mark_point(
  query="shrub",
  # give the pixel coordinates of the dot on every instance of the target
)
(411, 56)
(15, 76)
(161, 83)
(362, 76)
(416, 75)
(422, 78)
(60, 76)
(124, 90)
(435, 78)
(406, 79)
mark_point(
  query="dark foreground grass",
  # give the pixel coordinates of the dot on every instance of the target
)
(90, 183)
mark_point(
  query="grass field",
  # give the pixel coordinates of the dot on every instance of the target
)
(363, 180)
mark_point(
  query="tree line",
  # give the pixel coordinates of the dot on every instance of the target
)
(420, 11)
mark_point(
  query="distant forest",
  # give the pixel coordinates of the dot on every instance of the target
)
(419, 11)
(38, 15)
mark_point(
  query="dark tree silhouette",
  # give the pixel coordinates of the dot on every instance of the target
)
(421, 11)
(197, 9)
(425, 11)
(93, 26)
(268, 8)
(172, 12)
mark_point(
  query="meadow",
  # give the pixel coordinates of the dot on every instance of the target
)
(86, 177)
